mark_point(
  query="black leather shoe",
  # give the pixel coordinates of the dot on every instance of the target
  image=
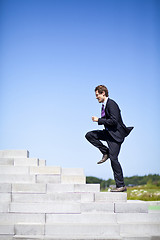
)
(104, 158)
(121, 189)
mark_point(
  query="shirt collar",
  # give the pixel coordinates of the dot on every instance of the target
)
(105, 102)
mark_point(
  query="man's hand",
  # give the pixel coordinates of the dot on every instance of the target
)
(95, 119)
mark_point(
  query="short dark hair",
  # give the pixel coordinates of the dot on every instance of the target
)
(102, 88)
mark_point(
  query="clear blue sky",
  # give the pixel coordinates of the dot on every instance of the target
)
(53, 53)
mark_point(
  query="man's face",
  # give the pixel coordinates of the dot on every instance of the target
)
(100, 96)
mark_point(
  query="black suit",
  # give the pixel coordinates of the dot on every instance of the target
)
(114, 133)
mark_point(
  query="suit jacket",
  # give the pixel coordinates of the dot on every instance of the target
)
(113, 123)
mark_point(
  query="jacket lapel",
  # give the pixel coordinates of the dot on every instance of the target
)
(106, 108)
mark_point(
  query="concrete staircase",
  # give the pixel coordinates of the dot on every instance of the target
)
(53, 203)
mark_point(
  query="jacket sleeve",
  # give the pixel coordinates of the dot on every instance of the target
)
(112, 118)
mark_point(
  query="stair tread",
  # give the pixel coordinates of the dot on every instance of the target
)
(68, 237)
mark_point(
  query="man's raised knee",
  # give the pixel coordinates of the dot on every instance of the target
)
(88, 135)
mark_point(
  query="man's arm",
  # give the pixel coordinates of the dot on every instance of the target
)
(114, 113)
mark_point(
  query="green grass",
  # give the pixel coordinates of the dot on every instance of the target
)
(145, 193)
(154, 208)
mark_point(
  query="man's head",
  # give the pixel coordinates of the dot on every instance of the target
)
(101, 93)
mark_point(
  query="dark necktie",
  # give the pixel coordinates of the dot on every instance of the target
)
(102, 111)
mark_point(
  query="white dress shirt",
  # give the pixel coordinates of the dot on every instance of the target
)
(105, 102)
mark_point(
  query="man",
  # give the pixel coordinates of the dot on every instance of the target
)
(114, 133)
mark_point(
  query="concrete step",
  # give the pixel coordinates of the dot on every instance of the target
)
(26, 162)
(78, 231)
(51, 197)
(6, 217)
(14, 153)
(143, 229)
(81, 218)
(6, 229)
(86, 187)
(12, 218)
(19, 161)
(4, 207)
(62, 207)
(6, 237)
(95, 207)
(17, 178)
(29, 228)
(51, 178)
(56, 188)
(7, 161)
(82, 238)
(68, 237)
(28, 237)
(138, 217)
(110, 197)
(67, 179)
(66, 229)
(5, 197)
(52, 188)
(60, 179)
(5, 187)
(137, 237)
(131, 207)
(24, 170)
(28, 188)
(46, 207)
(73, 175)
(83, 229)
(73, 171)
(116, 207)
(153, 203)
(16, 170)
(45, 170)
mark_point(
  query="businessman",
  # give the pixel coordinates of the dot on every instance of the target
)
(113, 133)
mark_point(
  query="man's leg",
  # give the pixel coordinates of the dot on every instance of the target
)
(114, 149)
(94, 138)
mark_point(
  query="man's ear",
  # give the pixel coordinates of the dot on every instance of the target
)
(104, 94)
